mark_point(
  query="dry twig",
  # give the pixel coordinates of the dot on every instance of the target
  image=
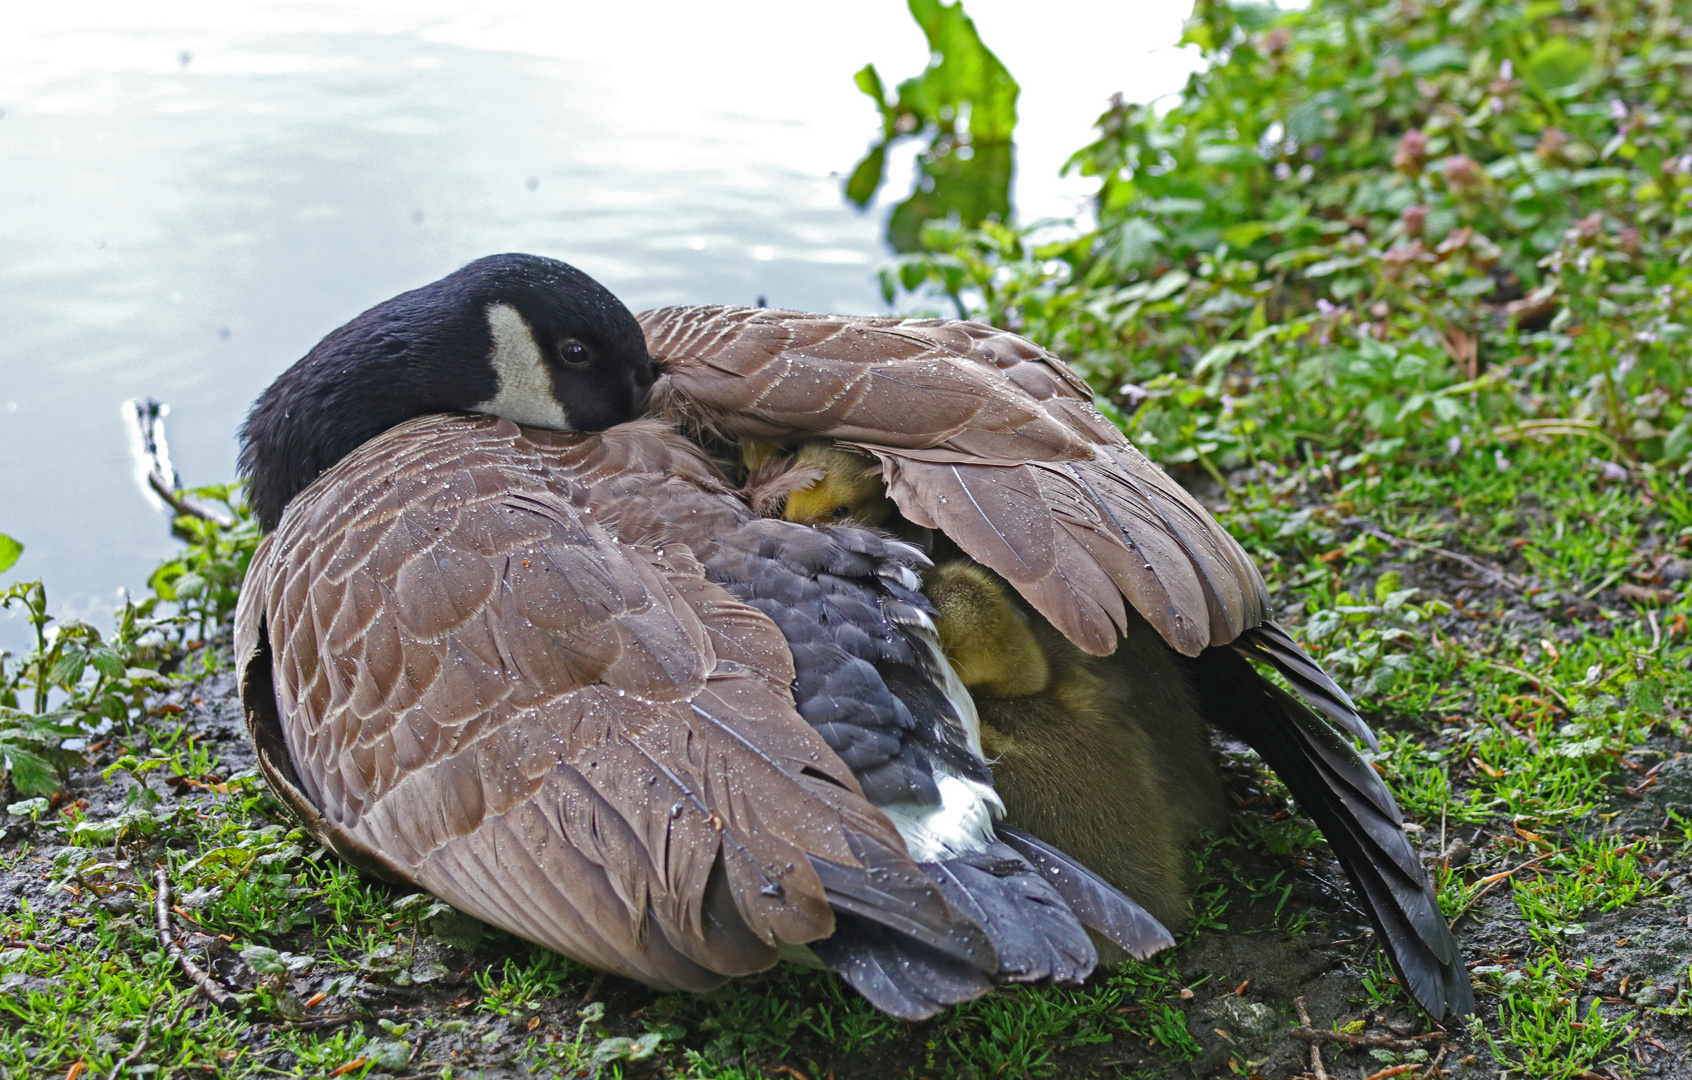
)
(134, 1055)
(200, 977)
(1538, 683)
(1316, 1069)
(1491, 882)
(1433, 1068)
(1374, 1042)
(1500, 575)
(146, 418)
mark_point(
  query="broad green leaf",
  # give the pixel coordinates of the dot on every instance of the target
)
(264, 960)
(107, 662)
(68, 668)
(189, 585)
(9, 551)
(868, 80)
(32, 773)
(1135, 243)
(1168, 285)
(1560, 62)
(1436, 58)
(866, 178)
(1246, 232)
(1229, 156)
(972, 188)
(1678, 444)
(962, 70)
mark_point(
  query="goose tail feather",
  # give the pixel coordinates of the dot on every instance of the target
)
(1358, 816)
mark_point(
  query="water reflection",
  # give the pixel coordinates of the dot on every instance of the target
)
(183, 211)
(191, 245)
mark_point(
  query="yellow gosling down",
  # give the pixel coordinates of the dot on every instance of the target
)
(1104, 757)
(985, 637)
(850, 489)
(755, 452)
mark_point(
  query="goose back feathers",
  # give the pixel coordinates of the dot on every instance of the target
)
(571, 683)
(993, 442)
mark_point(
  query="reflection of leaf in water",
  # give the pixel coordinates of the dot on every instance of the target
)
(972, 188)
(965, 102)
(860, 188)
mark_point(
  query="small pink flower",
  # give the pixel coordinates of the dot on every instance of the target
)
(1412, 151)
(1461, 171)
(1551, 143)
(1415, 219)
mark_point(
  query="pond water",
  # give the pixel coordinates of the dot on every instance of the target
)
(192, 194)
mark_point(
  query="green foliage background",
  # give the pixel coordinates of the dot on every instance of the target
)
(1375, 226)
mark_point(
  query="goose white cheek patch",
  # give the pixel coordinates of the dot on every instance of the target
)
(525, 385)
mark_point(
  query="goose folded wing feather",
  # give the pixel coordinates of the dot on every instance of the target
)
(580, 740)
(962, 413)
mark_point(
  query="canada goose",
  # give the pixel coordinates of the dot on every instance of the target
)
(560, 675)
(993, 444)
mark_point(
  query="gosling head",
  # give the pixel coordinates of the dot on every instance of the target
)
(530, 339)
(847, 489)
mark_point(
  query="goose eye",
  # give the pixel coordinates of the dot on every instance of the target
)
(573, 353)
(840, 512)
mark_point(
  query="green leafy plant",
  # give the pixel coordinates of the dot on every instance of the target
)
(204, 581)
(1360, 222)
(964, 103)
(91, 679)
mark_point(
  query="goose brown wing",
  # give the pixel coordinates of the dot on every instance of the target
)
(462, 680)
(985, 436)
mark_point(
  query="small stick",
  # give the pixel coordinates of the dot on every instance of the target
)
(1434, 1070)
(141, 1044)
(1504, 578)
(1396, 1070)
(1382, 1042)
(201, 978)
(1538, 682)
(1316, 1069)
(593, 988)
(146, 420)
(1493, 880)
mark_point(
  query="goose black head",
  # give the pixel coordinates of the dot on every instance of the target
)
(530, 339)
